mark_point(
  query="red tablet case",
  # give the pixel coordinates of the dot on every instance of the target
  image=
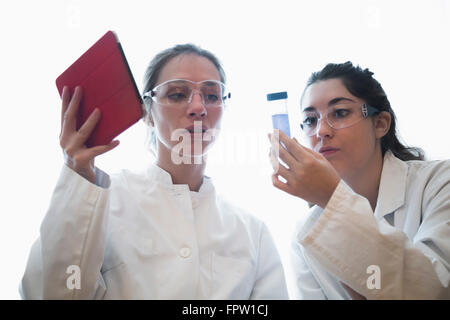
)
(108, 84)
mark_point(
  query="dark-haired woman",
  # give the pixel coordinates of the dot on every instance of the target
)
(380, 227)
(162, 233)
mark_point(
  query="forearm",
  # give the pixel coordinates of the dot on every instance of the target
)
(69, 254)
(348, 242)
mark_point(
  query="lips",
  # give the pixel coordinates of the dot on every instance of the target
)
(328, 150)
(197, 129)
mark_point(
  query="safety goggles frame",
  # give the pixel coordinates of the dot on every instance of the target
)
(366, 111)
(152, 94)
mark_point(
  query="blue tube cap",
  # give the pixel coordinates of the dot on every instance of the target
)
(277, 96)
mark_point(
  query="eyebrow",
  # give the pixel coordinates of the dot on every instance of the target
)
(210, 83)
(330, 103)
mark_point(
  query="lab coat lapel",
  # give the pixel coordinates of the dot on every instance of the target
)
(392, 190)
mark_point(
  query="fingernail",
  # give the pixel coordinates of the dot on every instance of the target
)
(115, 143)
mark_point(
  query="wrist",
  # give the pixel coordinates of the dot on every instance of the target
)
(323, 202)
(86, 173)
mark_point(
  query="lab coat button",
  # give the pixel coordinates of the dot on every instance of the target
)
(185, 252)
(194, 203)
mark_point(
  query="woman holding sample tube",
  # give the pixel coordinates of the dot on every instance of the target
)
(380, 224)
(163, 233)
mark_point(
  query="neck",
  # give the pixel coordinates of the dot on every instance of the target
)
(190, 174)
(367, 182)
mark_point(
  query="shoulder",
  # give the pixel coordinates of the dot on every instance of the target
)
(429, 181)
(435, 171)
(129, 180)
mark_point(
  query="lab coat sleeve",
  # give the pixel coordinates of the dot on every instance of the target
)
(306, 287)
(65, 262)
(270, 282)
(349, 243)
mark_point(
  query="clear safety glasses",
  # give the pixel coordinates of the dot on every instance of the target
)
(338, 117)
(179, 92)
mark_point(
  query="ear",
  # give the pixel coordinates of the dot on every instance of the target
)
(148, 119)
(382, 123)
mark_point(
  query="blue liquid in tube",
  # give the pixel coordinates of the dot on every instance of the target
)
(281, 122)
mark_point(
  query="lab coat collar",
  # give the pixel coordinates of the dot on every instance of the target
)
(164, 179)
(392, 189)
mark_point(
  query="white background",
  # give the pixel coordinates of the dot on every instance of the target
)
(265, 46)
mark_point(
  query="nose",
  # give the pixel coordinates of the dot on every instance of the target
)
(195, 106)
(324, 129)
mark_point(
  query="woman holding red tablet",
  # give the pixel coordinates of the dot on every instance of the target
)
(162, 233)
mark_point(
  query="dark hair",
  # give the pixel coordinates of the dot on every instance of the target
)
(161, 59)
(361, 84)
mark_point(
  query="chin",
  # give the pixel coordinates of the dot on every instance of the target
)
(338, 166)
(193, 153)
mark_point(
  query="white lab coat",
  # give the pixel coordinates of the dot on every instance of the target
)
(408, 238)
(145, 238)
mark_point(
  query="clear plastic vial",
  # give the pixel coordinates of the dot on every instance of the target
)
(278, 108)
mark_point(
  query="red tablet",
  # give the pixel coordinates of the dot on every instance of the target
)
(108, 84)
